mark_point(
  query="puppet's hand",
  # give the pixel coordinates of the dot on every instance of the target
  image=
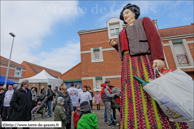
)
(112, 42)
(158, 63)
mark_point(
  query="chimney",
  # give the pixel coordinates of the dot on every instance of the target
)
(192, 23)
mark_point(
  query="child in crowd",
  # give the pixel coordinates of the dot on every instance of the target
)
(97, 99)
(87, 120)
(76, 116)
(59, 113)
(36, 108)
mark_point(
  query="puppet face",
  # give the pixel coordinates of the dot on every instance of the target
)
(128, 15)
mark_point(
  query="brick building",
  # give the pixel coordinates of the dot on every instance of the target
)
(33, 69)
(100, 62)
(16, 70)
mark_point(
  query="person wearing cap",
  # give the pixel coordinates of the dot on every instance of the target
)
(103, 85)
(42, 93)
(87, 120)
(107, 98)
(49, 98)
(140, 49)
(59, 113)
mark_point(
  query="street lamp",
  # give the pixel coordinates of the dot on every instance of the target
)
(13, 35)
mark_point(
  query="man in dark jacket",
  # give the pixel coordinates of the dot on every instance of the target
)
(49, 98)
(21, 103)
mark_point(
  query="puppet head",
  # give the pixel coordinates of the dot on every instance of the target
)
(129, 12)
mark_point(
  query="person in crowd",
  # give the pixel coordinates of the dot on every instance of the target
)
(85, 95)
(59, 113)
(35, 108)
(97, 99)
(78, 89)
(55, 91)
(4, 87)
(87, 120)
(90, 91)
(34, 97)
(67, 104)
(1, 98)
(42, 93)
(6, 109)
(35, 88)
(107, 98)
(103, 85)
(21, 103)
(74, 95)
(76, 116)
(15, 87)
(116, 100)
(49, 98)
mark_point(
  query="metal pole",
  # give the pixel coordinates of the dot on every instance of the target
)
(9, 62)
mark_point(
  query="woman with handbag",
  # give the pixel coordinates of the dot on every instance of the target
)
(140, 48)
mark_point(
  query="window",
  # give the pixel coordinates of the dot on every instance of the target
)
(98, 83)
(18, 72)
(180, 53)
(96, 54)
(114, 26)
(114, 32)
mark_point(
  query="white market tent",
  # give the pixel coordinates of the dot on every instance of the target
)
(44, 77)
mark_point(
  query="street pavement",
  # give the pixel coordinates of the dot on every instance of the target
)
(99, 114)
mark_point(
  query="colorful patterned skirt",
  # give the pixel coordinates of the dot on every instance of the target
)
(138, 109)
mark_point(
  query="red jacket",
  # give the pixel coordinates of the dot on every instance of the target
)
(76, 117)
(102, 91)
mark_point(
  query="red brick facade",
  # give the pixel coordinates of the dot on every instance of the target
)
(110, 67)
(12, 69)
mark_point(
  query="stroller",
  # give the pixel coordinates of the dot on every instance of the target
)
(41, 110)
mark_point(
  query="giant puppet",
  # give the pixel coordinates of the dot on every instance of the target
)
(140, 49)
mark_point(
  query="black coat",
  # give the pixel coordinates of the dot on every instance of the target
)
(21, 103)
(67, 105)
(49, 95)
(2, 95)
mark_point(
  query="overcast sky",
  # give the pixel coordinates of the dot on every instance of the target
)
(46, 32)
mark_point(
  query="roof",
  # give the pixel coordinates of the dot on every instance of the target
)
(71, 69)
(37, 69)
(174, 31)
(166, 32)
(4, 60)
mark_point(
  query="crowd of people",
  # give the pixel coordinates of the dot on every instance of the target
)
(18, 104)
